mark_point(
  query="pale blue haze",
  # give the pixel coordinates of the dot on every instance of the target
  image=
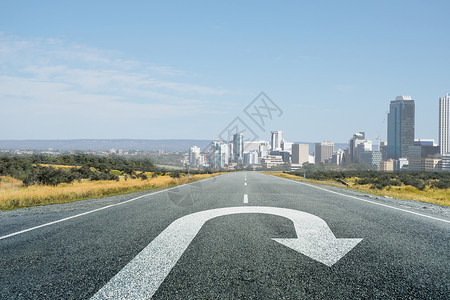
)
(185, 69)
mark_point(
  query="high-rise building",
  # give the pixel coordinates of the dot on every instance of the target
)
(264, 150)
(364, 146)
(300, 153)
(214, 155)
(421, 150)
(257, 146)
(445, 164)
(238, 147)
(251, 158)
(400, 129)
(230, 151)
(444, 124)
(276, 139)
(194, 154)
(338, 157)
(286, 146)
(324, 151)
(358, 144)
(225, 154)
(218, 155)
(346, 157)
(415, 158)
(371, 158)
(354, 141)
(383, 150)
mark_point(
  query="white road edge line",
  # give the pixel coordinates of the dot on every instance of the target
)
(95, 210)
(245, 198)
(372, 202)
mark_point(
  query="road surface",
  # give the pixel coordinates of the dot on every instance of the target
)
(243, 235)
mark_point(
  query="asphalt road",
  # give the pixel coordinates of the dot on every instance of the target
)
(404, 252)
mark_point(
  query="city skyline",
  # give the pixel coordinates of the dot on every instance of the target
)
(185, 71)
(401, 151)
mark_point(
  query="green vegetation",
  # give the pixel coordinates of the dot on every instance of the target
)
(432, 187)
(30, 180)
(381, 180)
(38, 169)
(53, 170)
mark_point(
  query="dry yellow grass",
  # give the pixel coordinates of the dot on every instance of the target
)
(9, 182)
(430, 195)
(17, 196)
(65, 167)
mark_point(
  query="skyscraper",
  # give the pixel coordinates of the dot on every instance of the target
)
(194, 154)
(214, 155)
(324, 151)
(277, 138)
(300, 153)
(355, 140)
(400, 129)
(444, 124)
(238, 147)
(358, 144)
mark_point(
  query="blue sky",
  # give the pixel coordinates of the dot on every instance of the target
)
(186, 69)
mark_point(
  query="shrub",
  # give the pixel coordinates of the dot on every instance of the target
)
(441, 184)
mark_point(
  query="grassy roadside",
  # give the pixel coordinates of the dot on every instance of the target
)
(13, 195)
(430, 195)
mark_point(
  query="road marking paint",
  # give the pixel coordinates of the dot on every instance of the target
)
(143, 275)
(92, 211)
(245, 198)
(245, 183)
(365, 200)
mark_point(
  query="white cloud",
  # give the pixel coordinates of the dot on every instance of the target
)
(46, 84)
(86, 68)
(50, 98)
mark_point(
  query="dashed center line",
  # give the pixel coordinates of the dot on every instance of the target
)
(245, 183)
(245, 198)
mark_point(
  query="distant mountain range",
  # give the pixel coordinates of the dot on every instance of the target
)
(123, 144)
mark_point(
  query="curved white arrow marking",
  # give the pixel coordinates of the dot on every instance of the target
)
(143, 275)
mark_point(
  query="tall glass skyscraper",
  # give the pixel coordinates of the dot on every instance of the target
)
(444, 124)
(238, 147)
(400, 129)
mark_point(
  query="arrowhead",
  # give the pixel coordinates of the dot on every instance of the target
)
(326, 251)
